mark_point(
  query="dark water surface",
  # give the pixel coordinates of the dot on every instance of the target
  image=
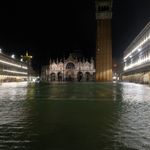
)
(75, 116)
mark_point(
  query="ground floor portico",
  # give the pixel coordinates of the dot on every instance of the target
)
(71, 75)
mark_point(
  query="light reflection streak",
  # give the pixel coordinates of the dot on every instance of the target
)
(133, 126)
(11, 95)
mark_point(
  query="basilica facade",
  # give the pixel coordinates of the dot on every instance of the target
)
(69, 69)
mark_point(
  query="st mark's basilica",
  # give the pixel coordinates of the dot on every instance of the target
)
(69, 69)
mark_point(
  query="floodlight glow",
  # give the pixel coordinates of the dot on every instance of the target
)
(0, 50)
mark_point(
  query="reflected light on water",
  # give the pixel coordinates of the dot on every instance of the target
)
(13, 91)
(75, 116)
(10, 106)
(13, 84)
(133, 126)
(132, 92)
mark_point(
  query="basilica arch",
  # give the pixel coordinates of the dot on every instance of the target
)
(60, 76)
(52, 76)
(79, 76)
(70, 75)
(87, 76)
(70, 65)
(69, 71)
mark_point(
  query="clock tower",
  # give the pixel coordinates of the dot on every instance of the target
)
(103, 40)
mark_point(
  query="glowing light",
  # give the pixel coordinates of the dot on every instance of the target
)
(114, 77)
(12, 56)
(12, 64)
(11, 71)
(27, 57)
(0, 50)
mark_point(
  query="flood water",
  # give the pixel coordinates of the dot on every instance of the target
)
(75, 116)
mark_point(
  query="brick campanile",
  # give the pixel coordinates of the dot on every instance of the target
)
(103, 40)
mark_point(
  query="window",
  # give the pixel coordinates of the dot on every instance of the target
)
(70, 66)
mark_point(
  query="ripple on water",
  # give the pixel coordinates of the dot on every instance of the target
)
(75, 116)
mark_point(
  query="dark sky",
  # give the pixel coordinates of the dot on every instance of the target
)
(55, 28)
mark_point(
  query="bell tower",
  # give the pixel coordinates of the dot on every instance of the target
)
(103, 40)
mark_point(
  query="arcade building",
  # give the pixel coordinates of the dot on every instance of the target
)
(69, 69)
(137, 58)
(15, 70)
(12, 69)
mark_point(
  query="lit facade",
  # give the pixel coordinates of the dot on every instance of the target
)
(137, 55)
(12, 69)
(70, 69)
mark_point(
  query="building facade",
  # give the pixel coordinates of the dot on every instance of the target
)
(70, 69)
(103, 40)
(137, 58)
(12, 69)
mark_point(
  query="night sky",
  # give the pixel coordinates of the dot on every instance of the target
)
(56, 28)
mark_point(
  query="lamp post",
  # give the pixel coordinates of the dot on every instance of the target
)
(27, 58)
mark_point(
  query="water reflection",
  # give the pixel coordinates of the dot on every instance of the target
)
(75, 116)
(12, 125)
(10, 96)
(133, 126)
